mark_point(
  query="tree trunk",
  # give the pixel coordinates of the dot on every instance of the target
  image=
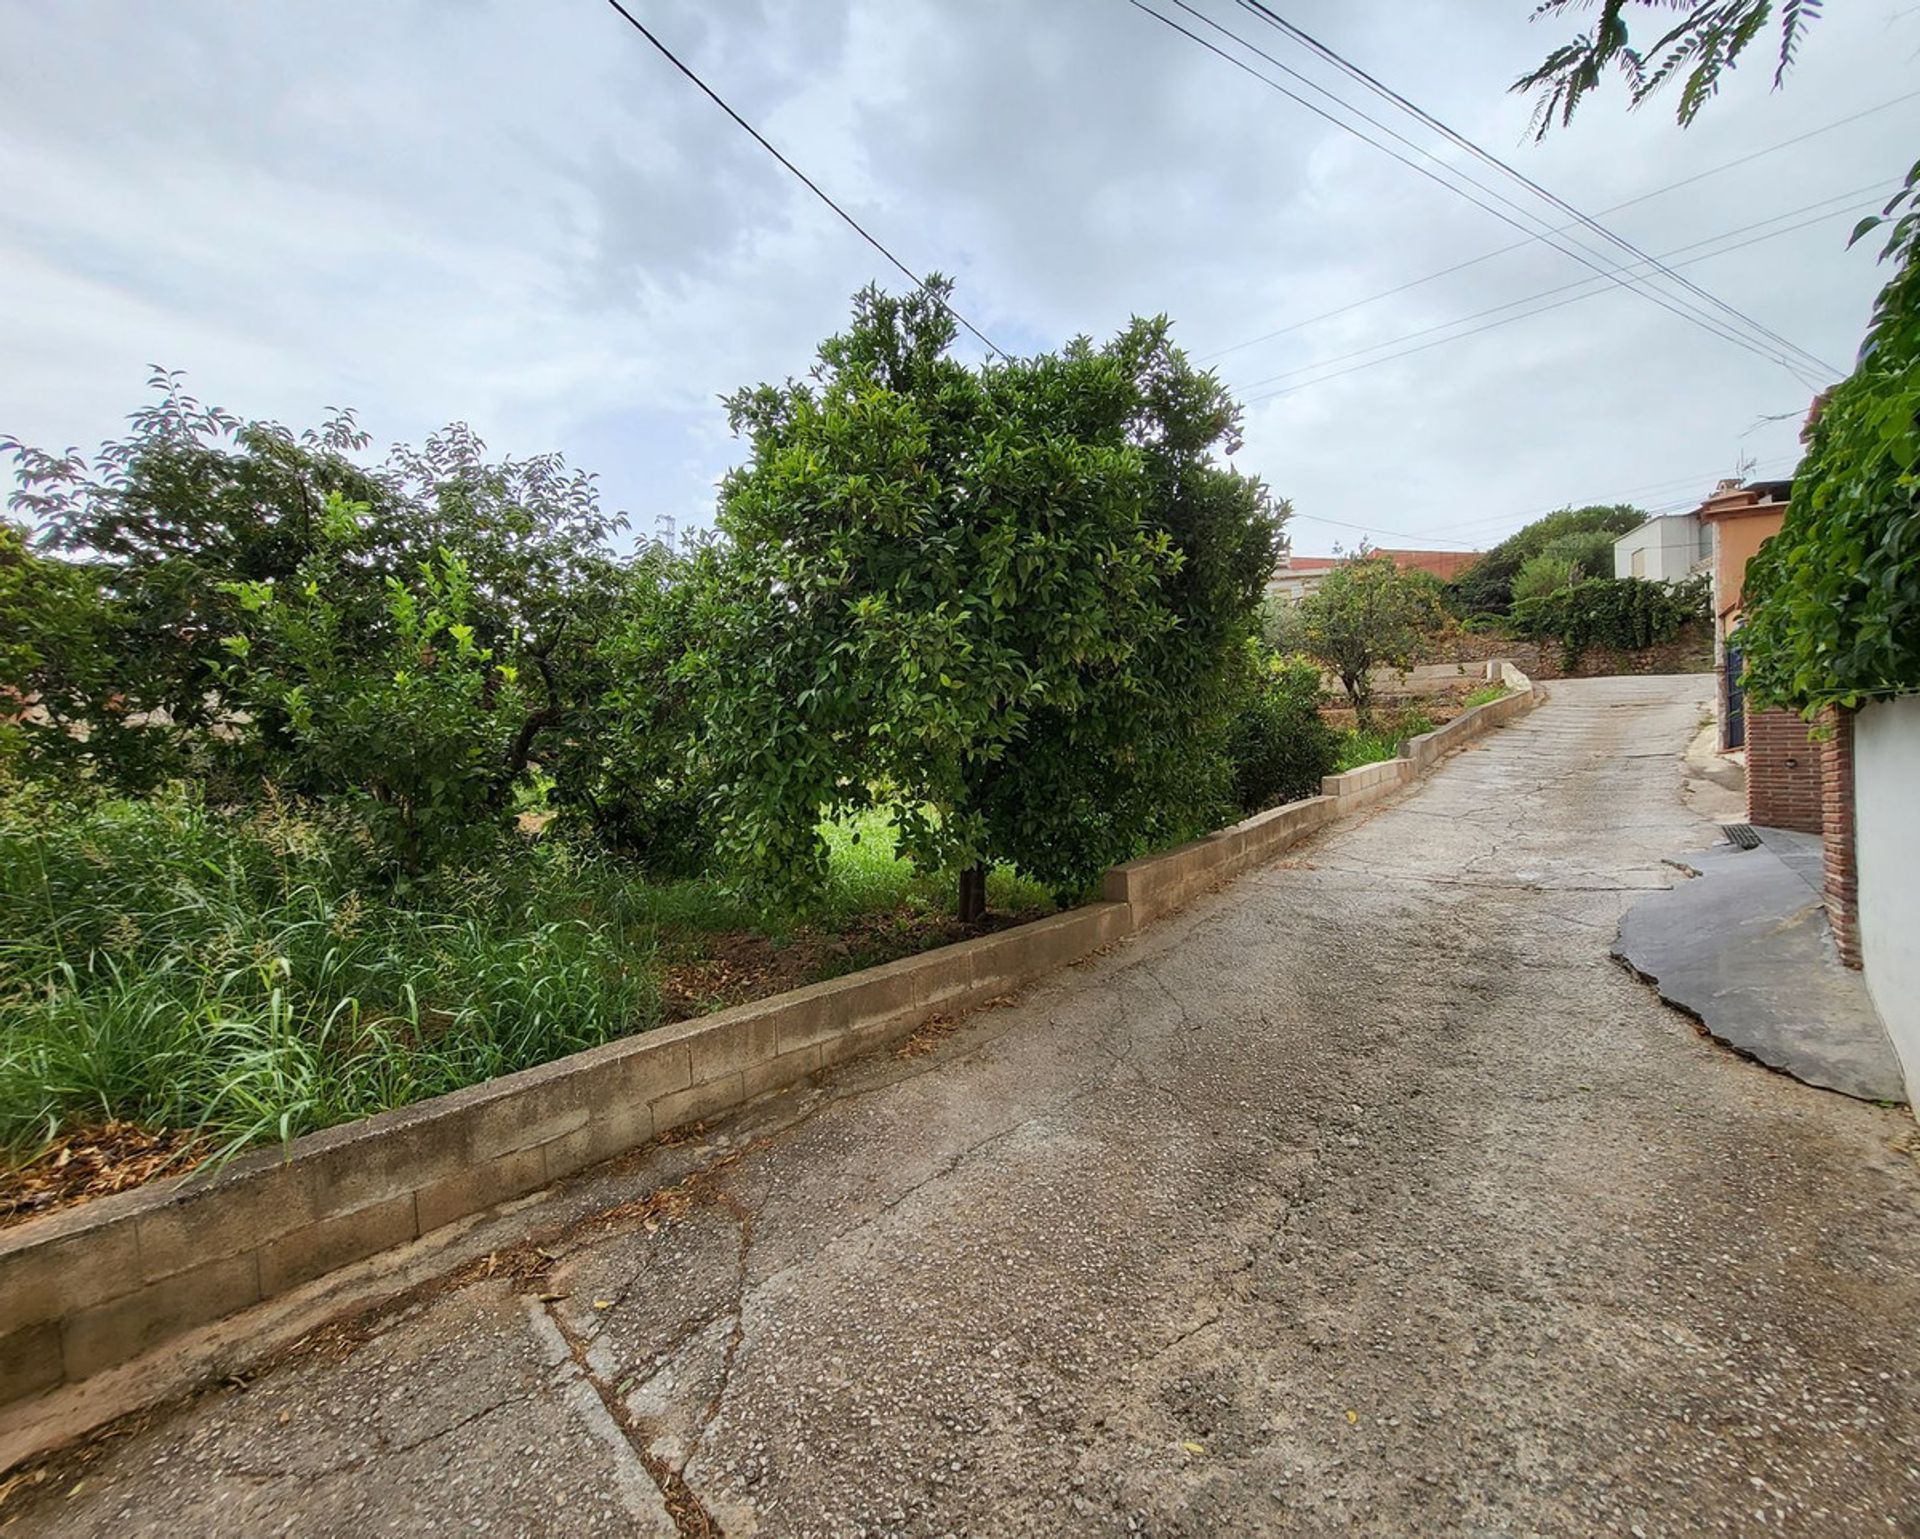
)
(973, 895)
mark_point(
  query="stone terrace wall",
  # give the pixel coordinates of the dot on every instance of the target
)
(1689, 652)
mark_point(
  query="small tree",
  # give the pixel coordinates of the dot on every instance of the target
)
(1007, 603)
(1368, 614)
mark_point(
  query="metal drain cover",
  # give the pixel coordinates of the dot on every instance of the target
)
(1741, 834)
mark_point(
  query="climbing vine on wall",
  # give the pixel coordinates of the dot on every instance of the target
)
(1832, 613)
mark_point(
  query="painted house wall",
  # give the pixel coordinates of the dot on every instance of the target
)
(1660, 550)
(1886, 793)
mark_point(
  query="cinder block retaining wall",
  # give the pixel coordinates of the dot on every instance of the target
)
(98, 1285)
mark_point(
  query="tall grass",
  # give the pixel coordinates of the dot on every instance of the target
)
(169, 966)
(1381, 739)
(176, 967)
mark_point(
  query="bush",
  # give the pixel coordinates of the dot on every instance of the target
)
(1625, 612)
(1487, 587)
(1278, 744)
(1381, 739)
(1369, 614)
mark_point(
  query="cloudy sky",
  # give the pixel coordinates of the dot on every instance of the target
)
(519, 215)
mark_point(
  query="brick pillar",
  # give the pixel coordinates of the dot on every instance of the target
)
(1783, 773)
(1842, 886)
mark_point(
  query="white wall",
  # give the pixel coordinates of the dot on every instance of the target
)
(1669, 548)
(1886, 798)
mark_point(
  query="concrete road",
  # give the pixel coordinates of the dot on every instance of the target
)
(1367, 1195)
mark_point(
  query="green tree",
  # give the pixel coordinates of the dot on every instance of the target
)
(1368, 614)
(1006, 602)
(1487, 587)
(413, 726)
(1832, 607)
(1698, 48)
(195, 505)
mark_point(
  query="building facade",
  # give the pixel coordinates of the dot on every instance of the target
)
(1668, 549)
(1297, 576)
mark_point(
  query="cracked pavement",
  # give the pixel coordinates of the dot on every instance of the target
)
(1366, 1194)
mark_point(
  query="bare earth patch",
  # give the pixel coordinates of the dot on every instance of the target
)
(93, 1162)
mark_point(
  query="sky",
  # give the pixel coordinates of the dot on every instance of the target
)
(520, 216)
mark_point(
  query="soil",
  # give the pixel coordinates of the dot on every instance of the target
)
(93, 1162)
(735, 967)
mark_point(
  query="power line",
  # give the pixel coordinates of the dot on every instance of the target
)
(1353, 71)
(1543, 234)
(1521, 520)
(1508, 320)
(812, 186)
(1850, 199)
(1614, 208)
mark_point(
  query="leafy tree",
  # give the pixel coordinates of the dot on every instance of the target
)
(1279, 745)
(1487, 587)
(413, 726)
(1006, 602)
(195, 506)
(1563, 561)
(621, 758)
(1368, 614)
(1832, 606)
(54, 623)
(1700, 47)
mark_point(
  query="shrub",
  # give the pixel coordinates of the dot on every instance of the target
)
(1380, 739)
(1278, 744)
(1624, 612)
(1487, 587)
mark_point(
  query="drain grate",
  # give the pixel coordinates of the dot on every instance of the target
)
(1741, 834)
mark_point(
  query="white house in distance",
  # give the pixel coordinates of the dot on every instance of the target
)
(1664, 549)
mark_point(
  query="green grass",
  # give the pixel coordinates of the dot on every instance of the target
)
(174, 967)
(1359, 746)
(1485, 695)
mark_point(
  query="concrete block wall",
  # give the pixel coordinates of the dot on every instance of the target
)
(1783, 773)
(97, 1286)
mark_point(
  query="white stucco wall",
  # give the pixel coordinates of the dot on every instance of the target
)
(1886, 798)
(1670, 547)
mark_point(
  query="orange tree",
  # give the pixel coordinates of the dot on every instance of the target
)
(1006, 602)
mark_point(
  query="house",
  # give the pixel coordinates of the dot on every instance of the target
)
(1666, 549)
(1297, 576)
(1783, 761)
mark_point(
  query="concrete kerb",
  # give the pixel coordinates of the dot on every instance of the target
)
(97, 1286)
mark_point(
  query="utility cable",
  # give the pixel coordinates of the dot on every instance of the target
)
(1508, 320)
(811, 185)
(1612, 208)
(1353, 71)
(1543, 234)
(1850, 199)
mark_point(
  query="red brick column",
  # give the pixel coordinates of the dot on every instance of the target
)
(1842, 886)
(1783, 773)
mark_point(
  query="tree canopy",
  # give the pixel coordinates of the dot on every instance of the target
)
(1575, 534)
(1369, 614)
(1007, 601)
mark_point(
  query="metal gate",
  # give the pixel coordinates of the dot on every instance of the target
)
(1736, 700)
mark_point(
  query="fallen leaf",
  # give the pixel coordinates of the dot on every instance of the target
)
(285, 1417)
(552, 1298)
(603, 1303)
(1194, 1447)
(1353, 1418)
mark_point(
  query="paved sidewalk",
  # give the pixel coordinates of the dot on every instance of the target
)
(1745, 948)
(1367, 1195)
